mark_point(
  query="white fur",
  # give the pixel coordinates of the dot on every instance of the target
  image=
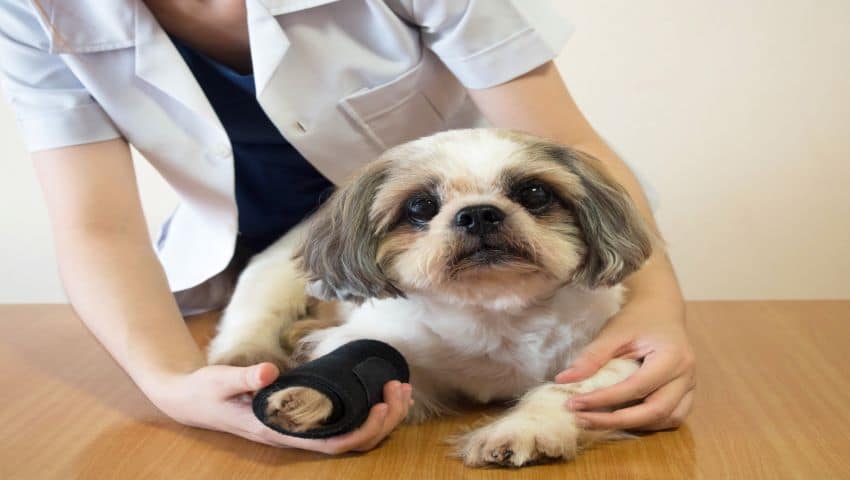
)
(268, 297)
(482, 354)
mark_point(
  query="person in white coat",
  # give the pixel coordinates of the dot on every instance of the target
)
(324, 86)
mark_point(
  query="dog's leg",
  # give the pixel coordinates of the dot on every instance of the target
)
(269, 296)
(539, 427)
(301, 409)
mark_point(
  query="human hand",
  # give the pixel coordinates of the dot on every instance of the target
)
(664, 384)
(218, 397)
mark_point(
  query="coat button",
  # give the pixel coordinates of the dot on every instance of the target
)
(222, 151)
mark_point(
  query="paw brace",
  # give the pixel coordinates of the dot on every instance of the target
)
(352, 377)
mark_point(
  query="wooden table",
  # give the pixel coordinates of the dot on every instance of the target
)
(773, 401)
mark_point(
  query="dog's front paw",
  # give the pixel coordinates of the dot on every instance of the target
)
(517, 440)
(298, 409)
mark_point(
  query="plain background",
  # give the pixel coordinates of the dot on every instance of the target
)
(737, 112)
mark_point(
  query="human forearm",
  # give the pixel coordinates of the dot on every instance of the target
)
(120, 291)
(118, 288)
(107, 262)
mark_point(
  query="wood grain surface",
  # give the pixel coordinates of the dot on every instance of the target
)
(773, 401)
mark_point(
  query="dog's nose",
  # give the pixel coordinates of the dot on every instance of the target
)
(479, 219)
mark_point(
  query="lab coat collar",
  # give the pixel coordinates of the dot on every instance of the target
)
(159, 63)
(81, 26)
(86, 26)
(269, 42)
(280, 7)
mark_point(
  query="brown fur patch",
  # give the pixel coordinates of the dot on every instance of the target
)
(342, 242)
(397, 242)
(565, 389)
(618, 241)
(460, 186)
(298, 409)
(566, 184)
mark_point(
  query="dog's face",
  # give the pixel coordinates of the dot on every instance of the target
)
(484, 217)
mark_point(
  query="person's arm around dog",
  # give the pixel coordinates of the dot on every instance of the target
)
(118, 288)
(651, 324)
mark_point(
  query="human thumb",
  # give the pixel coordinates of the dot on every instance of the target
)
(239, 380)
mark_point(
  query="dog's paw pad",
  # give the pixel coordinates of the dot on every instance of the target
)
(502, 454)
(298, 409)
(514, 442)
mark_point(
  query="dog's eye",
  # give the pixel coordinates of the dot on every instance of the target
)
(534, 197)
(420, 209)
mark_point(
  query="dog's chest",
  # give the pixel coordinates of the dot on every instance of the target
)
(486, 355)
(500, 356)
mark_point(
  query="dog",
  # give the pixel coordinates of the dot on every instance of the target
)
(487, 257)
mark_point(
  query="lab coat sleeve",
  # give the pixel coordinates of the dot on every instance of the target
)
(488, 42)
(53, 109)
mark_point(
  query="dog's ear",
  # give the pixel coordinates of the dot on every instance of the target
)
(340, 247)
(618, 241)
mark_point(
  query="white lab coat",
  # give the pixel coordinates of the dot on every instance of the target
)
(341, 79)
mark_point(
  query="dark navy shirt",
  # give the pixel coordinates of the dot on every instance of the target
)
(275, 186)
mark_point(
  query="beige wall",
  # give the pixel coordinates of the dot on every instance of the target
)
(738, 112)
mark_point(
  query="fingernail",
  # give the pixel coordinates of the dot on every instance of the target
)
(576, 404)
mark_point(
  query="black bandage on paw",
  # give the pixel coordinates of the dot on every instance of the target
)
(352, 377)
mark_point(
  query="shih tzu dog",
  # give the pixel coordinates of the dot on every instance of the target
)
(488, 258)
